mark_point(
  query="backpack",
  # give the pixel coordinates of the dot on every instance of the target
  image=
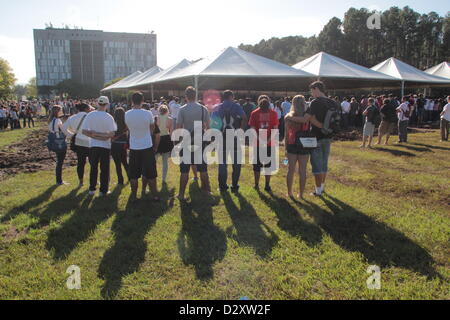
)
(56, 141)
(230, 122)
(332, 122)
(375, 116)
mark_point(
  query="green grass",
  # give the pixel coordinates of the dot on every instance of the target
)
(387, 207)
(9, 137)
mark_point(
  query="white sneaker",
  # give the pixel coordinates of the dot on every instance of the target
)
(92, 193)
(105, 194)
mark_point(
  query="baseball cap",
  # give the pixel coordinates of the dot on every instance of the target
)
(103, 100)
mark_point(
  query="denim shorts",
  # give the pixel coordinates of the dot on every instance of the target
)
(320, 155)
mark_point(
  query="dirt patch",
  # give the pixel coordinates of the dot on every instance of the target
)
(353, 135)
(30, 155)
(13, 234)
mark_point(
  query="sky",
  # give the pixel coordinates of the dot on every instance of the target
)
(185, 29)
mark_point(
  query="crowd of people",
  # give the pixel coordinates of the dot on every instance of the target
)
(135, 136)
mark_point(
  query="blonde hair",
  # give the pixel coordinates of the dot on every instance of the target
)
(298, 107)
(163, 109)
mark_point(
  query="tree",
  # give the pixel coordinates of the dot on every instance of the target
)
(31, 88)
(422, 40)
(74, 89)
(20, 90)
(7, 79)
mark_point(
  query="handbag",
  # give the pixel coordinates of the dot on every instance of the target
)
(73, 146)
(305, 139)
(56, 141)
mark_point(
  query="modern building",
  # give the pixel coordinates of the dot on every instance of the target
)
(90, 56)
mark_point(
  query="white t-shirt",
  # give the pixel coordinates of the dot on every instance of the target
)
(102, 122)
(403, 115)
(70, 128)
(138, 122)
(345, 107)
(174, 110)
(58, 124)
(446, 111)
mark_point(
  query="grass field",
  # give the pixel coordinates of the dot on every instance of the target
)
(388, 207)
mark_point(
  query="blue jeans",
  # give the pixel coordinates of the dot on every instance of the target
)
(319, 157)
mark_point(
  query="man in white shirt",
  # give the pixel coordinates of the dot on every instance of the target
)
(174, 110)
(346, 106)
(82, 144)
(404, 113)
(100, 127)
(445, 121)
(141, 124)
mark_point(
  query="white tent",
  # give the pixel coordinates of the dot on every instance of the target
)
(325, 65)
(123, 81)
(407, 73)
(441, 70)
(142, 77)
(150, 79)
(236, 69)
(338, 73)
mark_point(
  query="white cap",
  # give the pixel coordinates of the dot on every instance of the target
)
(103, 100)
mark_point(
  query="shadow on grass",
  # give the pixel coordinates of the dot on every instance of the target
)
(380, 244)
(200, 242)
(128, 252)
(30, 205)
(431, 146)
(289, 220)
(417, 149)
(251, 230)
(83, 222)
(394, 152)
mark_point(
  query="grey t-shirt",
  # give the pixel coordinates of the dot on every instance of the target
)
(191, 113)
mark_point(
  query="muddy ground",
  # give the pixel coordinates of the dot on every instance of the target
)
(30, 155)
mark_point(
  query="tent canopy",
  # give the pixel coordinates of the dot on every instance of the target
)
(325, 65)
(233, 68)
(122, 82)
(150, 79)
(142, 77)
(441, 70)
(405, 72)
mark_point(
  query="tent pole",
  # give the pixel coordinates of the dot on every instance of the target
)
(196, 87)
(152, 93)
(403, 89)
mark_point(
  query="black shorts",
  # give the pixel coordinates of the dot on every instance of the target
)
(185, 168)
(142, 164)
(295, 149)
(257, 167)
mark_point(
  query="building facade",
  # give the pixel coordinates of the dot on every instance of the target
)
(90, 56)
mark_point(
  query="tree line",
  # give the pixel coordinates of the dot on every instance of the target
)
(422, 40)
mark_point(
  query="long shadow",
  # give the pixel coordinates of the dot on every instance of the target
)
(394, 152)
(200, 242)
(58, 208)
(83, 222)
(251, 230)
(128, 252)
(417, 149)
(380, 244)
(431, 146)
(30, 205)
(290, 220)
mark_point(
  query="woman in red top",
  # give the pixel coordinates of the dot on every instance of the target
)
(260, 119)
(295, 153)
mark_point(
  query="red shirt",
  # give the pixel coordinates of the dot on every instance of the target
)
(264, 120)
